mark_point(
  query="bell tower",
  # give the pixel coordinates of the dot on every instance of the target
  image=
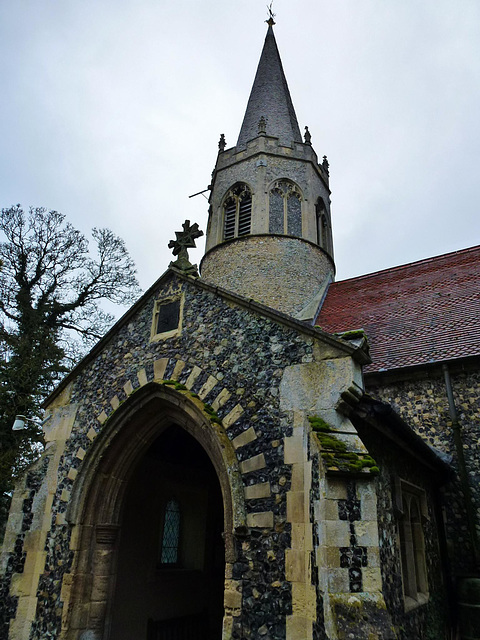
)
(269, 234)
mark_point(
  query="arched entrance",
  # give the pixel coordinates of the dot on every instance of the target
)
(171, 555)
(153, 512)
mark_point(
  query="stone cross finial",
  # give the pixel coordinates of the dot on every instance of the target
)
(262, 126)
(307, 136)
(185, 240)
(222, 143)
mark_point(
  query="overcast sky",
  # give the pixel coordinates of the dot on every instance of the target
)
(111, 111)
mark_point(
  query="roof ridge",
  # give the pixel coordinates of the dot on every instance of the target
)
(410, 264)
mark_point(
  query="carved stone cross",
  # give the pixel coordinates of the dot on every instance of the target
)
(185, 240)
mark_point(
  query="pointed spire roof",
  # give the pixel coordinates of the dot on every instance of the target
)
(271, 99)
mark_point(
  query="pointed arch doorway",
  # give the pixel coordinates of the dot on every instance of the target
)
(171, 555)
(156, 507)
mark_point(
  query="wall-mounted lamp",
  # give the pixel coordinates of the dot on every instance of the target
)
(20, 423)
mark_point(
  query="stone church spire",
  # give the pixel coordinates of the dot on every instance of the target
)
(269, 233)
(270, 99)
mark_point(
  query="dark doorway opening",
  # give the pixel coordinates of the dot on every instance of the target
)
(171, 555)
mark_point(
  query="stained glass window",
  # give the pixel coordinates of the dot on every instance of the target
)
(171, 533)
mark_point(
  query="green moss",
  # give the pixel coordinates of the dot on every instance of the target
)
(178, 385)
(319, 424)
(351, 335)
(334, 451)
(212, 414)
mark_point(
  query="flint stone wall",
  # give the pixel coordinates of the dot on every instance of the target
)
(246, 354)
(423, 403)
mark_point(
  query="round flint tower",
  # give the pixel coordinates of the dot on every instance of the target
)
(269, 234)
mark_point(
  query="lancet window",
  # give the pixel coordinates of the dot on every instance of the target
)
(171, 534)
(285, 208)
(323, 228)
(237, 212)
(412, 546)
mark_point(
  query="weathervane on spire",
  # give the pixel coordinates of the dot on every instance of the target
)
(270, 20)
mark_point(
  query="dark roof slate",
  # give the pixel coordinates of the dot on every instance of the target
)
(271, 99)
(415, 314)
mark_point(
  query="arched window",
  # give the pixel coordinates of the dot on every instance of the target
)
(285, 209)
(171, 534)
(323, 238)
(237, 212)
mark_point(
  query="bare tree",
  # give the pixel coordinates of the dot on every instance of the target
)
(50, 289)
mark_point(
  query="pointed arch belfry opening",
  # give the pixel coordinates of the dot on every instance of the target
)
(157, 449)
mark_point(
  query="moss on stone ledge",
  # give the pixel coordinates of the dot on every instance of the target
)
(334, 451)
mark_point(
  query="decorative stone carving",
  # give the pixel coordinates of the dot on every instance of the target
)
(185, 240)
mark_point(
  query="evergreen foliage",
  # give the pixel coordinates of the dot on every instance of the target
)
(50, 287)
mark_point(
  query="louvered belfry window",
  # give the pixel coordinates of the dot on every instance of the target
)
(171, 533)
(237, 211)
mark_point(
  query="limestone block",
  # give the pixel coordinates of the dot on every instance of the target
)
(253, 464)
(302, 536)
(316, 386)
(244, 438)
(304, 601)
(60, 423)
(72, 474)
(142, 377)
(257, 491)
(338, 533)
(102, 418)
(294, 447)
(299, 627)
(331, 509)
(295, 506)
(262, 519)
(159, 367)
(372, 579)
(128, 388)
(177, 370)
(221, 399)
(338, 581)
(233, 416)
(298, 477)
(190, 381)
(207, 387)
(232, 599)
(91, 434)
(115, 403)
(80, 453)
(373, 555)
(332, 557)
(295, 565)
(367, 533)
(336, 489)
(367, 493)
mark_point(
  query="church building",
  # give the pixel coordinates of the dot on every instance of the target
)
(257, 451)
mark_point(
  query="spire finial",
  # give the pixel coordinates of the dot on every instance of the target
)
(270, 20)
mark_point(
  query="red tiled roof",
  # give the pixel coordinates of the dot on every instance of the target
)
(422, 312)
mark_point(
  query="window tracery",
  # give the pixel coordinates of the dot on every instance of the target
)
(285, 208)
